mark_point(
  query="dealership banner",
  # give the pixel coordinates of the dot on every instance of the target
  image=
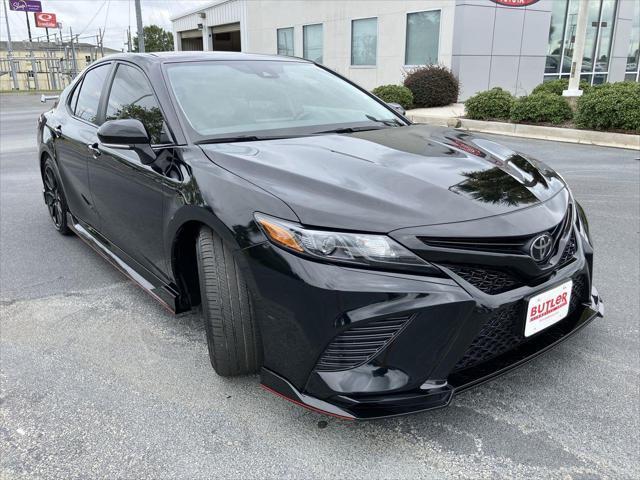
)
(25, 5)
(46, 20)
(515, 3)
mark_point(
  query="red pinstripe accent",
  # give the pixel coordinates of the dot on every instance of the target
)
(308, 407)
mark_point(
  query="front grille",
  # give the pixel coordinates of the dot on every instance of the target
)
(511, 245)
(485, 279)
(569, 250)
(508, 245)
(453, 253)
(505, 330)
(360, 343)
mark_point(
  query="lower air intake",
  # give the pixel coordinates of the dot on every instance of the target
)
(504, 330)
(358, 344)
(487, 280)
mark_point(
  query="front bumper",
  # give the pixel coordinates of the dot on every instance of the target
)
(433, 395)
(302, 306)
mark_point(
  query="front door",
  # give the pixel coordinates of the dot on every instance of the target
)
(127, 194)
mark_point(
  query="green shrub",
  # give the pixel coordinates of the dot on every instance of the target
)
(394, 94)
(432, 86)
(492, 104)
(556, 87)
(612, 106)
(541, 108)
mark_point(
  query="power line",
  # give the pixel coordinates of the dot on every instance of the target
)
(106, 16)
(93, 18)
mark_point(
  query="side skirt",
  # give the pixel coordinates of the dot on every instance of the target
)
(166, 295)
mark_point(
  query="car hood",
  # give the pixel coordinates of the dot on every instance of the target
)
(383, 180)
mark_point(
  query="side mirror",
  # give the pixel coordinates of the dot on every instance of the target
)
(128, 134)
(398, 108)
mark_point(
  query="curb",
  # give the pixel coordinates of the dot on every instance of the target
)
(571, 135)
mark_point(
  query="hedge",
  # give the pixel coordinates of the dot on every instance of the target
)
(611, 106)
(494, 104)
(556, 87)
(394, 94)
(541, 108)
(432, 86)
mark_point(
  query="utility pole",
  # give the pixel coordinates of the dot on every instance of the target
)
(12, 67)
(73, 54)
(100, 42)
(129, 39)
(46, 29)
(139, 25)
(26, 14)
(578, 51)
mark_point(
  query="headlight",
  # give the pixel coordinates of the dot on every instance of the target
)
(350, 248)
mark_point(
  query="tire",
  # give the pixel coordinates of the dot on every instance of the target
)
(54, 197)
(232, 334)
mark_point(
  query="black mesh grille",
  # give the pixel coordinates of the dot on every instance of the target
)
(355, 346)
(569, 251)
(485, 279)
(504, 330)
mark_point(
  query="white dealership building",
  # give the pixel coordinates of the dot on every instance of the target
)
(513, 44)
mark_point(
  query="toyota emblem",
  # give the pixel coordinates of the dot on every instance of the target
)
(541, 247)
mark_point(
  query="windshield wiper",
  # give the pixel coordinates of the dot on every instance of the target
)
(350, 129)
(390, 122)
(242, 138)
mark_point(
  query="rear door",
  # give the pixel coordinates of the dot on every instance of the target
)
(127, 194)
(75, 128)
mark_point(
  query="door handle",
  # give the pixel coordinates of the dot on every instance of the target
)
(93, 147)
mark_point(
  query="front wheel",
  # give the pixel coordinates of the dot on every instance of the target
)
(54, 197)
(233, 337)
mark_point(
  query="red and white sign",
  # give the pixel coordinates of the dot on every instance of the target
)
(547, 308)
(515, 3)
(46, 20)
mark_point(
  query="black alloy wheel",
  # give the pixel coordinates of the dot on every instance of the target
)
(54, 198)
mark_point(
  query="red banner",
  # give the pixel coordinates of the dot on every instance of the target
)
(515, 3)
(46, 20)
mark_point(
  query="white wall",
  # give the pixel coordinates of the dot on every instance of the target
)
(265, 16)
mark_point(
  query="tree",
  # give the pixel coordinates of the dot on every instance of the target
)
(156, 39)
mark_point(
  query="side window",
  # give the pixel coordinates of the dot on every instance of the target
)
(74, 97)
(131, 97)
(90, 91)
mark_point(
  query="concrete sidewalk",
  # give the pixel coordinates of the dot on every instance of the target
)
(451, 116)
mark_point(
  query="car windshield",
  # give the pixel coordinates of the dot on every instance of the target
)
(224, 99)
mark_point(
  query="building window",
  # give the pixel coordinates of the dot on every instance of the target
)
(423, 37)
(312, 42)
(556, 36)
(364, 41)
(598, 40)
(285, 41)
(632, 72)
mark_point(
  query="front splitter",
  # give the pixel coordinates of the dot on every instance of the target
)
(352, 407)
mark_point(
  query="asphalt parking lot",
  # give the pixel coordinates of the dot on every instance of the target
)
(98, 380)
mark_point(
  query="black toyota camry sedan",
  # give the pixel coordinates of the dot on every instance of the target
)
(364, 266)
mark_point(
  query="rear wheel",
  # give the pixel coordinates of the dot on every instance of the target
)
(54, 197)
(233, 337)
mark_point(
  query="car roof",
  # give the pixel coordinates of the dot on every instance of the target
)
(177, 57)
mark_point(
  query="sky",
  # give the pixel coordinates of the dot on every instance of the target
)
(86, 16)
